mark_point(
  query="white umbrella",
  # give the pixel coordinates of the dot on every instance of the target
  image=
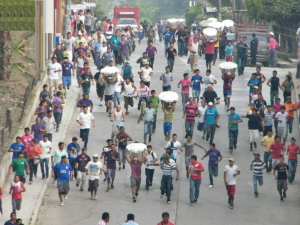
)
(228, 23)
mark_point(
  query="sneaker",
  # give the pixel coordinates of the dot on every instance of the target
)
(256, 195)
(107, 109)
(77, 184)
(136, 193)
(169, 202)
(119, 167)
(123, 167)
(147, 188)
(95, 197)
(81, 189)
(150, 184)
(104, 179)
(234, 146)
(30, 182)
(230, 150)
(126, 113)
(134, 199)
(274, 177)
(161, 196)
(211, 186)
(281, 198)
(284, 194)
(195, 201)
(61, 204)
(187, 174)
(231, 205)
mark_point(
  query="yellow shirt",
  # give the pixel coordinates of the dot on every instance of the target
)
(268, 141)
(217, 44)
(77, 41)
(168, 115)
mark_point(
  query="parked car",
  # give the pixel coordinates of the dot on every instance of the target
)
(126, 22)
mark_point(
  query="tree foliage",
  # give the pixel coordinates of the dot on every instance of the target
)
(224, 3)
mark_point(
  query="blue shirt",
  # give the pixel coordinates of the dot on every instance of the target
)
(63, 171)
(231, 118)
(18, 148)
(114, 43)
(73, 154)
(228, 50)
(168, 36)
(213, 157)
(66, 69)
(97, 46)
(210, 115)
(255, 83)
(196, 80)
(126, 70)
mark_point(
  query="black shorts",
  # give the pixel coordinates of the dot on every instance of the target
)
(216, 51)
(108, 98)
(209, 58)
(93, 185)
(100, 90)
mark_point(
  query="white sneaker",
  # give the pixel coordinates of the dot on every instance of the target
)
(169, 202)
(161, 196)
(274, 177)
(95, 197)
(211, 186)
(66, 196)
(61, 204)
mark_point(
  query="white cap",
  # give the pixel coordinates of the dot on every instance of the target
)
(210, 103)
(96, 156)
(79, 33)
(209, 85)
(127, 62)
(231, 159)
(272, 34)
(228, 73)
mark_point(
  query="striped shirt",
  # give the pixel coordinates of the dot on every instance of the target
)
(144, 91)
(168, 115)
(256, 166)
(168, 168)
(191, 111)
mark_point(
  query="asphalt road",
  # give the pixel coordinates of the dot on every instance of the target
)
(212, 207)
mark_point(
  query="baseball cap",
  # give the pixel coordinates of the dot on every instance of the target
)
(79, 33)
(210, 103)
(256, 153)
(228, 73)
(122, 127)
(80, 50)
(146, 63)
(74, 138)
(96, 156)
(63, 157)
(127, 62)
(255, 87)
(253, 34)
(209, 85)
(231, 159)
(272, 34)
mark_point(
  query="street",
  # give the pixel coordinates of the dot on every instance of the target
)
(212, 207)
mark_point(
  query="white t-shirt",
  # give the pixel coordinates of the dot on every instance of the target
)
(52, 67)
(94, 170)
(150, 159)
(102, 51)
(45, 146)
(230, 171)
(201, 115)
(85, 119)
(146, 74)
(82, 18)
(95, 37)
(175, 146)
(68, 43)
(118, 85)
(283, 117)
(208, 79)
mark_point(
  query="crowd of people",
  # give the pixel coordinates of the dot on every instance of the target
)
(110, 51)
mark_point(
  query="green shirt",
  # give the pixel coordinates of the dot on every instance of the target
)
(149, 114)
(168, 115)
(57, 154)
(63, 94)
(19, 166)
(142, 61)
(155, 101)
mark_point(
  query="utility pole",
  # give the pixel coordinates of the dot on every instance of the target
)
(219, 10)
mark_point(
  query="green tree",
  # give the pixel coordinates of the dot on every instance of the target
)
(283, 14)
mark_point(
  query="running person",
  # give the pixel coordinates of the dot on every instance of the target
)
(201, 122)
(110, 159)
(197, 81)
(129, 91)
(122, 138)
(173, 146)
(282, 175)
(230, 173)
(195, 170)
(292, 150)
(148, 114)
(118, 118)
(94, 169)
(168, 118)
(257, 166)
(233, 128)
(228, 79)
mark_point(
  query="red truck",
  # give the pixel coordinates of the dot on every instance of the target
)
(125, 12)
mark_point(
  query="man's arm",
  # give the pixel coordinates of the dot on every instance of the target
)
(225, 178)
(127, 158)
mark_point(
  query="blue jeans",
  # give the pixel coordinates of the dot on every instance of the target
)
(140, 101)
(84, 135)
(166, 185)
(292, 168)
(260, 182)
(271, 56)
(289, 125)
(213, 171)
(149, 176)
(45, 164)
(167, 45)
(66, 81)
(181, 48)
(241, 63)
(148, 127)
(273, 96)
(210, 132)
(32, 168)
(97, 60)
(171, 64)
(189, 127)
(233, 135)
(57, 117)
(86, 90)
(117, 97)
(268, 160)
(194, 189)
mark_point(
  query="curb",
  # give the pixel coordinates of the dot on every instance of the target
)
(42, 196)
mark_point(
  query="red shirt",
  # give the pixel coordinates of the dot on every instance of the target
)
(276, 147)
(196, 175)
(169, 223)
(293, 150)
(26, 140)
(31, 152)
(210, 47)
(185, 85)
(16, 190)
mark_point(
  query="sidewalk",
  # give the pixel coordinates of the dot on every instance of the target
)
(34, 195)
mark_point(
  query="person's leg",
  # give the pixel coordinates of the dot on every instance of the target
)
(79, 178)
(197, 189)
(192, 125)
(216, 170)
(151, 173)
(78, 73)
(86, 139)
(172, 64)
(147, 172)
(208, 131)
(271, 57)
(154, 123)
(290, 124)
(230, 136)
(168, 187)
(255, 178)
(84, 177)
(19, 203)
(123, 58)
(213, 130)
(42, 162)
(256, 136)
(14, 205)
(31, 169)
(290, 164)
(192, 190)
(279, 188)
(210, 172)
(124, 157)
